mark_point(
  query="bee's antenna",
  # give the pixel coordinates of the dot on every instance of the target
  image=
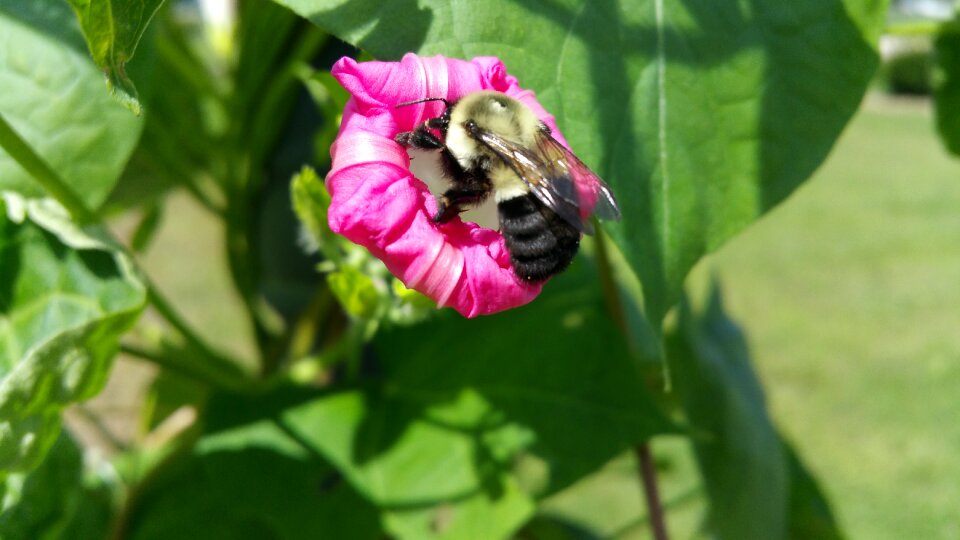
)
(404, 104)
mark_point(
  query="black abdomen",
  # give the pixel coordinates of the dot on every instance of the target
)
(541, 243)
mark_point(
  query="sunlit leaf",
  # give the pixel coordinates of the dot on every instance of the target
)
(53, 97)
(66, 295)
(311, 201)
(355, 291)
(556, 368)
(430, 479)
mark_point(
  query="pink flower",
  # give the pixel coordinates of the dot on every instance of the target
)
(380, 205)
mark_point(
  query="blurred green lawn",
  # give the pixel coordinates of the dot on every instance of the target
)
(849, 294)
(850, 297)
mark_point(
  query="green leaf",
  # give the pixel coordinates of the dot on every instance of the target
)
(756, 484)
(56, 500)
(430, 479)
(168, 392)
(947, 84)
(355, 291)
(53, 97)
(112, 29)
(250, 479)
(810, 514)
(311, 201)
(66, 295)
(147, 227)
(701, 115)
(556, 369)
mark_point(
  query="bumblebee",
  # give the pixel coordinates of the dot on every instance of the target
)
(491, 143)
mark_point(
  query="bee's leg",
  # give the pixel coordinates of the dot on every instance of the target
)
(422, 139)
(453, 201)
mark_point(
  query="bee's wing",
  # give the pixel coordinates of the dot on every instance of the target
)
(594, 196)
(557, 178)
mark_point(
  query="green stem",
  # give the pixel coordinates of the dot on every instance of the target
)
(648, 473)
(173, 50)
(914, 28)
(22, 153)
(227, 378)
(264, 125)
(101, 428)
(215, 358)
(257, 127)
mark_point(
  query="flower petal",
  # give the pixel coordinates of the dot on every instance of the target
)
(378, 203)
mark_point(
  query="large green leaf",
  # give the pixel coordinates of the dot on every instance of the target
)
(810, 514)
(112, 29)
(249, 480)
(556, 368)
(434, 481)
(947, 91)
(757, 486)
(702, 115)
(53, 97)
(66, 295)
(429, 478)
(434, 439)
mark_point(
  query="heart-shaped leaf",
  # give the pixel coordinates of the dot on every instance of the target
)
(701, 115)
(556, 368)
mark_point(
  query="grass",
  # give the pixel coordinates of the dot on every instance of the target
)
(850, 296)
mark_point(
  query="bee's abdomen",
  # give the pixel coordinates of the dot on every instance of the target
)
(540, 242)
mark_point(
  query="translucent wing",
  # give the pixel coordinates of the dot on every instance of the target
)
(556, 177)
(594, 196)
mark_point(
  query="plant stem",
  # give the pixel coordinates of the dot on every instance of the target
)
(608, 284)
(165, 310)
(648, 476)
(22, 153)
(642, 522)
(648, 473)
(259, 120)
(101, 428)
(226, 377)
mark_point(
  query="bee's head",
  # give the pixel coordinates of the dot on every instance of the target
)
(497, 113)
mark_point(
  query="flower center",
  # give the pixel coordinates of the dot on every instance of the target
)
(425, 165)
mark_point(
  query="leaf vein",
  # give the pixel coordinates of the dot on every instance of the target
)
(662, 122)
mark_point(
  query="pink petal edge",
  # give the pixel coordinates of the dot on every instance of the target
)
(379, 204)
